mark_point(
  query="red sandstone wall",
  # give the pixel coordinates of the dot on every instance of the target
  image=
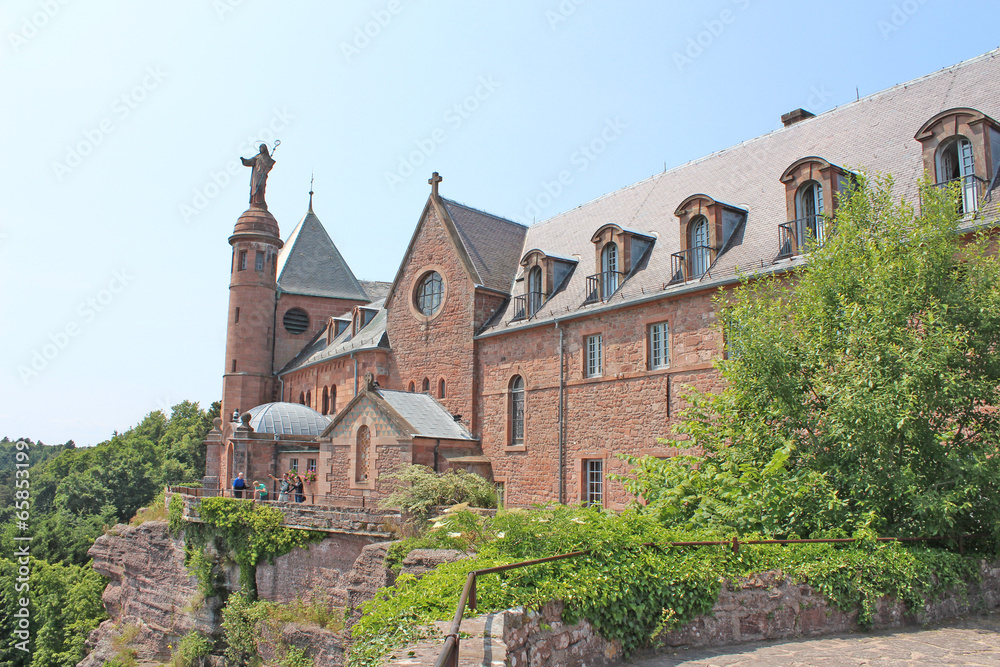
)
(440, 346)
(338, 373)
(625, 411)
(320, 309)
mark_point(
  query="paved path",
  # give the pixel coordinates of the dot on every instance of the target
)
(970, 642)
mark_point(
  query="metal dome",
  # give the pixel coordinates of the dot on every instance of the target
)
(287, 419)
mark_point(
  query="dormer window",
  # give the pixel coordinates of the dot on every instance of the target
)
(610, 277)
(812, 189)
(620, 253)
(956, 164)
(698, 246)
(536, 294)
(543, 276)
(961, 148)
(809, 213)
(708, 227)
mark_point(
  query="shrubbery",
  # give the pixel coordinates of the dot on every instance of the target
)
(419, 489)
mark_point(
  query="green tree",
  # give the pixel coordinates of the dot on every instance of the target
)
(865, 382)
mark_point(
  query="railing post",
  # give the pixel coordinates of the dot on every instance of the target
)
(736, 545)
(472, 594)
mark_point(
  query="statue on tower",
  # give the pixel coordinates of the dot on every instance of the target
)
(261, 164)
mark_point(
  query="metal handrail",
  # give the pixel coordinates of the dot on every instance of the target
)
(601, 286)
(450, 650)
(526, 305)
(249, 493)
(969, 188)
(682, 263)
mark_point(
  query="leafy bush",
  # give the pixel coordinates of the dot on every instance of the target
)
(251, 531)
(155, 511)
(419, 489)
(631, 591)
(240, 619)
(860, 390)
(192, 649)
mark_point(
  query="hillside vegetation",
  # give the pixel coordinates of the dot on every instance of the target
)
(75, 494)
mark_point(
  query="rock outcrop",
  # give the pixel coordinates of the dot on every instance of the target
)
(151, 597)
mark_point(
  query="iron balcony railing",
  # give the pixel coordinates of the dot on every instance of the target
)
(802, 235)
(601, 286)
(690, 263)
(969, 190)
(526, 305)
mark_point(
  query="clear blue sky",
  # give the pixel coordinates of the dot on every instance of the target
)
(120, 119)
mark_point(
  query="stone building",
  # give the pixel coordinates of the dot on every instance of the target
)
(534, 355)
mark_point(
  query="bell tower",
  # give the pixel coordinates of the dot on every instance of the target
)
(248, 378)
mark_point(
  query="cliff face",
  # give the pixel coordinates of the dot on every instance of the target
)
(151, 597)
(153, 600)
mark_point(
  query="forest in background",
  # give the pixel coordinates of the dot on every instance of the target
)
(75, 494)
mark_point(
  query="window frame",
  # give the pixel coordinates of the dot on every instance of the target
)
(593, 355)
(516, 397)
(594, 492)
(661, 350)
(425, 291)
(362, 455)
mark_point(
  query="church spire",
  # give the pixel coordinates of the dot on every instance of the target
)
(311, 179)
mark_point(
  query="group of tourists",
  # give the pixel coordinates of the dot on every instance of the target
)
(288, 484)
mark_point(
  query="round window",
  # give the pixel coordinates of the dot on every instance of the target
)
(296, 321)
(428, 295)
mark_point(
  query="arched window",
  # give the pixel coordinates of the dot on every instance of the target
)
(441, 388)
(426, 387)
(809, 212)
(333, 398)
(956, 164)
(698, 244)
(535, 294)
(364, 441)
(302, 398)
(309, 399)
(412, 388)
(609, 269)
(516, 410)
(326, 401)
(428, 295)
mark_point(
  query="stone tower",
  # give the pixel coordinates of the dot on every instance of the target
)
(248, 380)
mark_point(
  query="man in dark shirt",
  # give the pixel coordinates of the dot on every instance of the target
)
(238, 485)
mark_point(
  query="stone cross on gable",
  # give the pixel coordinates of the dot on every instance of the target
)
(434, 180)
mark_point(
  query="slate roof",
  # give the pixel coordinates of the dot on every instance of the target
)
(287, 419)
(317, 351)
(492, 243)
(427, 418)
(310, 264)
(874, 134)
(375, 289)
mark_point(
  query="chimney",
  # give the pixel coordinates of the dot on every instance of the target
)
(796, 116)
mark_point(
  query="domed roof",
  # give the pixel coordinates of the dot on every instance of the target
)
(287, 419)
(256, 220)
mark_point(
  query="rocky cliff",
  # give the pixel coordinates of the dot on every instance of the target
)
(151, 598)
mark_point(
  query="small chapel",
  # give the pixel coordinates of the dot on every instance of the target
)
(535, 355)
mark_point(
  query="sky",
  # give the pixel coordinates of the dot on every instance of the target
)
(123, 123)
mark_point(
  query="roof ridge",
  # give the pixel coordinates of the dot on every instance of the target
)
(482, 212)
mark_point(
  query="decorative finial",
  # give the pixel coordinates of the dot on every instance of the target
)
(312, 177)
(434, 180)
